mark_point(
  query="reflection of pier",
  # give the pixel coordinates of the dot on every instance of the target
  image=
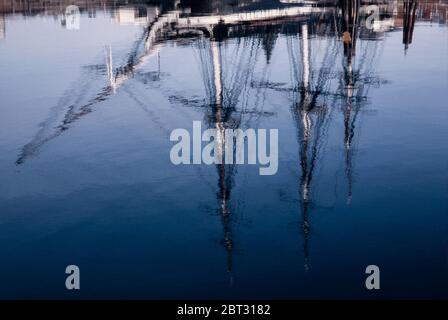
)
(435, 11)
(173, 21)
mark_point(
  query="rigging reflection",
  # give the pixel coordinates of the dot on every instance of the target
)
(311, 108)
(223, 94)
(229, 47)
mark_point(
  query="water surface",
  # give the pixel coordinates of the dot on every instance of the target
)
(86, 177)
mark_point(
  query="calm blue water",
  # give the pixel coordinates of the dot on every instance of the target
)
(86, 177)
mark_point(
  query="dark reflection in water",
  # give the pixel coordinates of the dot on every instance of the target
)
(409, 11)
(330, 52)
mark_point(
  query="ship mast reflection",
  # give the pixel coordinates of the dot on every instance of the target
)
(223, 93)
(311, 113)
